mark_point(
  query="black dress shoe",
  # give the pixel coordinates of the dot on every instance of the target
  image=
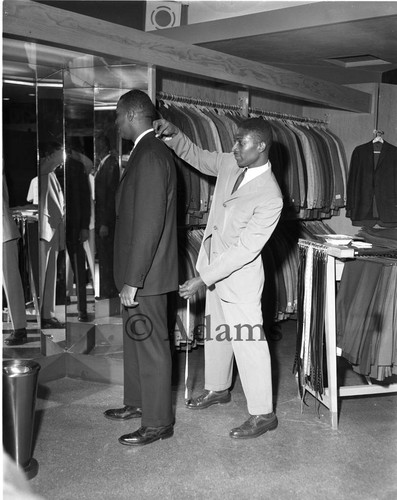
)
(275, 333)
(209, 398)
(51, 323)
(255, 426)
(123, 413)
(17, 337)
(83, 316)
(147, 435)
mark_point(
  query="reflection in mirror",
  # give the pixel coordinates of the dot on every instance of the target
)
(52, 118)
(79, 195)
(51, 207)
(20, 219)
(107, 176)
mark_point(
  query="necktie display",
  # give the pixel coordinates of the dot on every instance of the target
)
(239, 180)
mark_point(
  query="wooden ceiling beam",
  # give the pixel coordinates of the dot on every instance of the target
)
(41, 23)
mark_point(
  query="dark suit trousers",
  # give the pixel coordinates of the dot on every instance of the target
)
(147, 360)
(77, 260)
(104, 248)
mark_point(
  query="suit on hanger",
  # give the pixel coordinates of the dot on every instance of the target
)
(146, 257)
(367, 183)
(230, 264)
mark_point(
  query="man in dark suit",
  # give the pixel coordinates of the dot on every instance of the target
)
(106, 182)
(145, 271)
(78, 214)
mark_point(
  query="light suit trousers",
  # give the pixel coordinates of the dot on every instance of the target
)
(12, 283)
(235, 331)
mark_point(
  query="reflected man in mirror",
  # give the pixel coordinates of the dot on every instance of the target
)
(107, 178)
(78, 215)
(52, 229)
(12, 281)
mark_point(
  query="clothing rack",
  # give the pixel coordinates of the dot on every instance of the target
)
(235, 107)
(285, 116)
(198, 102)
(329, 398)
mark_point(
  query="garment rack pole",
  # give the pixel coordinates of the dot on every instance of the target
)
(212, 104)
(286, 116)
(198, 102)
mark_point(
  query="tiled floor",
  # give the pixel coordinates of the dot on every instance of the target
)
(80, 458)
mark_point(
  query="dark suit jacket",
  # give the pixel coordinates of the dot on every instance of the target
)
(145, 244)
(78, 200)
(366, 183)
(106, 183)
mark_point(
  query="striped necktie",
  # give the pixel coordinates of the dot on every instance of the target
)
(239, 180)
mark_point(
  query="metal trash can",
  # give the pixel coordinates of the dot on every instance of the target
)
(19, 402)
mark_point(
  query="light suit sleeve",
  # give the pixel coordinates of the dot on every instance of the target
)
(207, 162)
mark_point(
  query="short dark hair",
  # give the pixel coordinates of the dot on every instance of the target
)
(260, 127)
(47, 148)
(103, 140)
(139, 101)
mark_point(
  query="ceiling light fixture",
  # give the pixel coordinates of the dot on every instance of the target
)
(357, 61)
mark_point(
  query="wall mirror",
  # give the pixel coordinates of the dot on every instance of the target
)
(64, 100)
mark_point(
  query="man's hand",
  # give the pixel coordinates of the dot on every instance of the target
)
(103, 231)
(164, 129)
(84, 233)
(190, 287)
(127, 296)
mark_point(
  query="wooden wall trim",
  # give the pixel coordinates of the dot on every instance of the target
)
(49, 25)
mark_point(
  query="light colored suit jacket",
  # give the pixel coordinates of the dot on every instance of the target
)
(51, 207)
(10, 229)
(239, 224)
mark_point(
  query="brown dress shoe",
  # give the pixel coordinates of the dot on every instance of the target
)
(147, 435)
(255, 426)
(124, 413)
(209, 398)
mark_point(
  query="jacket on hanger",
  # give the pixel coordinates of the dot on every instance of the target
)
(368, 184)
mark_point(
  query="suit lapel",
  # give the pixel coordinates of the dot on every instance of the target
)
(140, 145)
(251, 186)
(383, 154)
(129, 163)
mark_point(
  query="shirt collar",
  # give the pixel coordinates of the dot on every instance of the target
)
(141, 135)
(252, 173)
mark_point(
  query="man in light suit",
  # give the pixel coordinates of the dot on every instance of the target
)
(145, 271)
(52, 230)
(245, 210)
(12, 281)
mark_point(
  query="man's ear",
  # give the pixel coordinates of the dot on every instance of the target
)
(130, 115)
(262, 146)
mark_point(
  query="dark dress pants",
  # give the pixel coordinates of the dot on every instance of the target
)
(104, 248)
(77, 260)
(147, 360)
